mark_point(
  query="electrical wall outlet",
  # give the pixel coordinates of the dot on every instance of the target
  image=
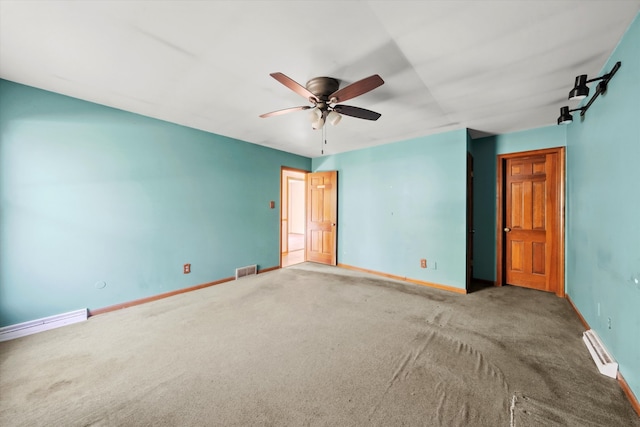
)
(423, 263)
(187, 268)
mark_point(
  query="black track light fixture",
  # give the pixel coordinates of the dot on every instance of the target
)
(581, 90)
(565, 115)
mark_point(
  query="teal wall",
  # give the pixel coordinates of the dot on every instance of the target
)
(485, 151)
(603, 220)
(90, 193)
(398, 203)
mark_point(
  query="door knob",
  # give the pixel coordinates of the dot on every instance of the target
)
(507, 229)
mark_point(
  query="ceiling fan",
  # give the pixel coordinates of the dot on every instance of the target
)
(325, 93)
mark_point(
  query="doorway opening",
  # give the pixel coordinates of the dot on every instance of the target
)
(470, 229)
(292, 216)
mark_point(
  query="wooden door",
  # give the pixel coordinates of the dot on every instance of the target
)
(322, 217)
(531, 221)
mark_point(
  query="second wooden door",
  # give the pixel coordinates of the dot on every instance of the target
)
(531, 221)
(322, 217)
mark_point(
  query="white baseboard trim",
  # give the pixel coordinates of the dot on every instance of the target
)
(33, 326)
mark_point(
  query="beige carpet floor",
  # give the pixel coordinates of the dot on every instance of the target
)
(320, 346)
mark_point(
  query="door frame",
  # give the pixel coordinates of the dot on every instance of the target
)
(500, 212)
(282, 182)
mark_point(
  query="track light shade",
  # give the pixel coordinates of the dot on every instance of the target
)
(334, 118)
(565, 117)
(580, 89)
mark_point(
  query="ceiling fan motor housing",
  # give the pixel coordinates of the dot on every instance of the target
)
(322, 87)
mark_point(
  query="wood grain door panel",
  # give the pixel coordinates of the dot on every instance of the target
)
(530, 234)
(526, 208)
(322, 217)
(526, 260)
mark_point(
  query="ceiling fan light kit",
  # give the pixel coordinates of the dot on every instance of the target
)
(318, 124)
(334, 118)
(315, 114)
(581, 91)
(325, 93)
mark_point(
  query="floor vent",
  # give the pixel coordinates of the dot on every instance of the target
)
(249, 270)
(604, 361)
(44, 324)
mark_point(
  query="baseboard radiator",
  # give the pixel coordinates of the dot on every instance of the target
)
(33, 326)
(249, 270)
(604, 361)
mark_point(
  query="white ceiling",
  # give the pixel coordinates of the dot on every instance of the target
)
(491, 66)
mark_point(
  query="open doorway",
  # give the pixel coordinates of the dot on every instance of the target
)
(292, 217)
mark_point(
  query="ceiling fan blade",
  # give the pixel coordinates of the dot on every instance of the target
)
(285, 111)
(357, 112)
(294, 86)
(357, 88)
